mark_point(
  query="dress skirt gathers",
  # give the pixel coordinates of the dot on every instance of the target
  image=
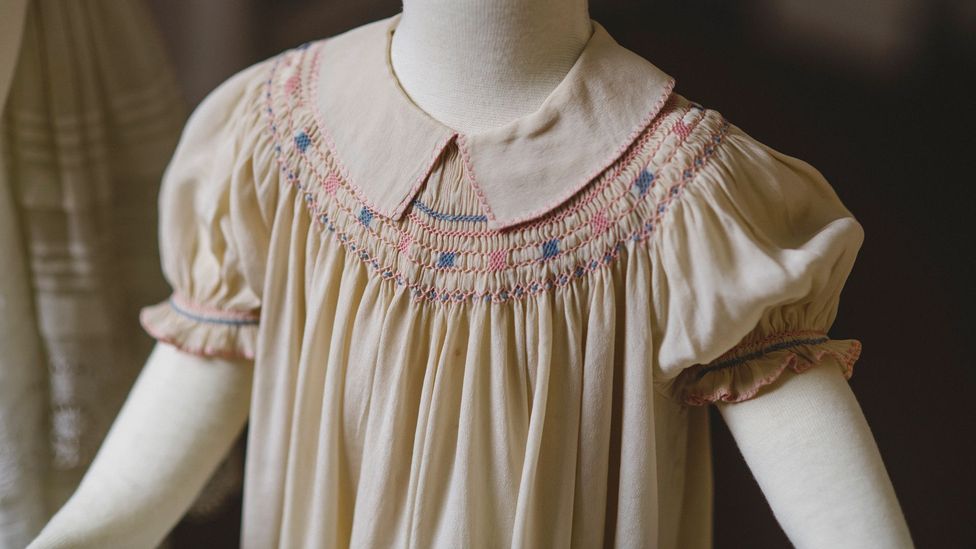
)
(494, 340)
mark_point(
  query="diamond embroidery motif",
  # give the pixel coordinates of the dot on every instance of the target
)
(331, 184)
(291, 85)
(302, 141)
(365, 216)
(445, 260)
(498, 260)
(550, 248)
(599, 222)
(643, 182)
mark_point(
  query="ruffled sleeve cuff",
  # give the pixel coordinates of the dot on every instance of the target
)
(202, 331)
(744, 370)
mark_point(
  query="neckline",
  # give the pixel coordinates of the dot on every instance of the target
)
(385, 146)
(397, 90)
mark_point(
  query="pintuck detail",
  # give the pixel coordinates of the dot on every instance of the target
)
(442, 251)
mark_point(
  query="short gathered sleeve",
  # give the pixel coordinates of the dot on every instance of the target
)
(748, 269)
(216, 204)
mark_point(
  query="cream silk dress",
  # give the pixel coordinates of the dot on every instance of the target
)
(502, 339)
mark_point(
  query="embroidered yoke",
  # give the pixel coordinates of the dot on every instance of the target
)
(490, 340)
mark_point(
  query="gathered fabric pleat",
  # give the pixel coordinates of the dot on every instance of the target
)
(458, 425)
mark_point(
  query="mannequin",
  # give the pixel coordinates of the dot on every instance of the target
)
(804, 438)
(506, 56)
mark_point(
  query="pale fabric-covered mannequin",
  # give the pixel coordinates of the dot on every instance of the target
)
(813, 454)
(804, 438)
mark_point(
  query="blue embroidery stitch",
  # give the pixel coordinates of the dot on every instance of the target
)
(550, 248)
(446, 259)
(302, 141)
(448, 217)
(365, 216)
(643, 182)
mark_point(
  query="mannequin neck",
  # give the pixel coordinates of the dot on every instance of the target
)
(477, 64)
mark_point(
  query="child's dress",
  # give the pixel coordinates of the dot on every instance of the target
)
(492, 340)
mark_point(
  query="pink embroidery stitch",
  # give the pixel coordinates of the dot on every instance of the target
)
(498, 260)
(331, 184)
(405, 241)
(482, 199)
(682, 129)
(292, 84)
(599, 222)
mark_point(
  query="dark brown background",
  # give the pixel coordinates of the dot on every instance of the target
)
(878, 96)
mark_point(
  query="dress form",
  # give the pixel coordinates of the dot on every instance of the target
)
(504, 57)
(157, 448)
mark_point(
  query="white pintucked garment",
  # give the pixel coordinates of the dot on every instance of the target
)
(89, 115)
(493, 340)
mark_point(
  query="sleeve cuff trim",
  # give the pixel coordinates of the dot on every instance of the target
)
(199, 313)
(766, 348)
(754, 371)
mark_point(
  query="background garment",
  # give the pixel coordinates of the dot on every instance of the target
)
(424, 377)
(90, 117)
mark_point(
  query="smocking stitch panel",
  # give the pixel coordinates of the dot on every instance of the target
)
(442, 251)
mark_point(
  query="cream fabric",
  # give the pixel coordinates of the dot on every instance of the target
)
(430, 380)
(388, 145)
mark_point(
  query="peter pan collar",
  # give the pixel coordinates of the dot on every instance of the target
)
(386, 145)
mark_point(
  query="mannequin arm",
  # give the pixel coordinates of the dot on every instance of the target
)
(810, 449)
(180, 419)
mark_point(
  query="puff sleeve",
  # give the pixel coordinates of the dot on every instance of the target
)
(749, 267)
(215, 207)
